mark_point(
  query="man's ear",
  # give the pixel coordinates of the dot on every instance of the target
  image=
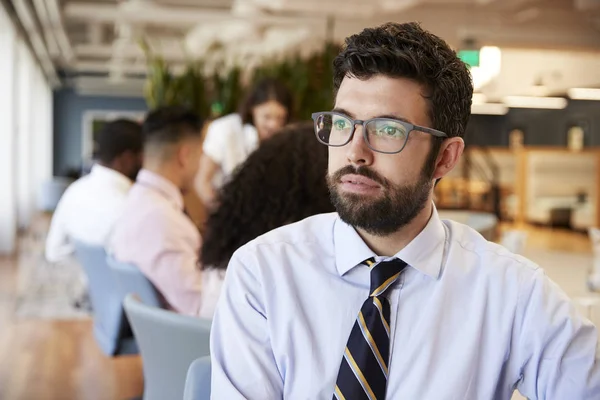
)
(448, 156)
(183, 153)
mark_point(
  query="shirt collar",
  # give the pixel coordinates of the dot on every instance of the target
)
(117, 178)
(162, 185)
(424, 253)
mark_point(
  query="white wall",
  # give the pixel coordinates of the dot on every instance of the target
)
(25, 133)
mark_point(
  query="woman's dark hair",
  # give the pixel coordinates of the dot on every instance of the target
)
(408, 51)
(263, 91)
(283, 181)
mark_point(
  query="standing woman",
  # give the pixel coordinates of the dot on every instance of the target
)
(230, 139)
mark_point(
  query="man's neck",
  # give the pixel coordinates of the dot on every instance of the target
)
(164, 171)
(391, 244)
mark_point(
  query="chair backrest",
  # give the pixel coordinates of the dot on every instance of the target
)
(131, 280)
(169, 343)
(197, 383)
(104, 296)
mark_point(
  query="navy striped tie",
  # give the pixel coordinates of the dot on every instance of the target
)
(364, 368)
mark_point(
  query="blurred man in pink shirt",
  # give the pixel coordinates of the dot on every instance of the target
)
(154, 233)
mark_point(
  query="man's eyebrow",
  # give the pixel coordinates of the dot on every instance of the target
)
(391, 116)
(342, 111)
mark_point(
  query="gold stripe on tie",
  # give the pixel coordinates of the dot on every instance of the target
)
(338, 393)
(359, 375)
(379, 306)
(371, 341)
(370, 263)
(385, 285)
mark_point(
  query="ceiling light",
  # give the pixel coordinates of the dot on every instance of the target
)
(584, 93)
(490, 63)
(555, 103)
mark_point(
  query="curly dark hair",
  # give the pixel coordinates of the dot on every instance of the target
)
(283, 181)
(408, 51)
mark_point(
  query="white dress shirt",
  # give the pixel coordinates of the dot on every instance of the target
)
(87, 211)
(228, 143)
(469, 319)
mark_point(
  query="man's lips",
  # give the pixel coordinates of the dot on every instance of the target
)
(359, 180)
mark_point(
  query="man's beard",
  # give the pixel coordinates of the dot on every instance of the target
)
(396, 207)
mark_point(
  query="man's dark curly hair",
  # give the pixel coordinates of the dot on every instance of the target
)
(408, 51)
(283, 181)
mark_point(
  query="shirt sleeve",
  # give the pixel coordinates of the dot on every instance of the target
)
(243, 364)
(215, 141)
(58, 244)
(176, 273)
(558, 347)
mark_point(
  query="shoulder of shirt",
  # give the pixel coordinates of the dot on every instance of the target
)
(77, 186)
(313, 229)
(148, 205)
(228, 123)
(491, 254)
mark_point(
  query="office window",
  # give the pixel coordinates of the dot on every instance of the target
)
(7, 134)
(25, 133)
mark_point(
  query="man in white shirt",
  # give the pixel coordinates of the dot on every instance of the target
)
(383, 300)
(90, 206)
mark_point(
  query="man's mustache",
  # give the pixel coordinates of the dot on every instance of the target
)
(363, 171)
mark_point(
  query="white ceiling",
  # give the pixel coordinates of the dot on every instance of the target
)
(84, 37)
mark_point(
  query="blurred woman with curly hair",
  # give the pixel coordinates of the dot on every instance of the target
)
(283, 181)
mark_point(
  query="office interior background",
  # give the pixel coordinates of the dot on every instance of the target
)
(529, 177)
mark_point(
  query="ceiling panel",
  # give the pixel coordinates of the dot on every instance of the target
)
(103, 33)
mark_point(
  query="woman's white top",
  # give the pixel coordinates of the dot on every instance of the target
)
(228, 143)
(212, 281)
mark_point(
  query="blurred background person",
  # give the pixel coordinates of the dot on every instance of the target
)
(230, 139)
(154, 232)
(90, 206)
(282, 182)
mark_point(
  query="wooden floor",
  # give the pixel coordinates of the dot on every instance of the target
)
(42, 360)
(558, 239)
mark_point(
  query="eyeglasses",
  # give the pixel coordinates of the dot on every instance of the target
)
(383, 135)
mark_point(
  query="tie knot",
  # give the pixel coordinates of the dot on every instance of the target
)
(384, 274)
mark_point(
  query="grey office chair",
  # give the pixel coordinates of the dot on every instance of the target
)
(111, 329)
(131, 280)
(197, 383)
(169, 343)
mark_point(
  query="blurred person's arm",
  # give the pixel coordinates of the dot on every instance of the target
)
(214, 147)
(557, 347)
(58, 245)
(206, 190)
(173, 266)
